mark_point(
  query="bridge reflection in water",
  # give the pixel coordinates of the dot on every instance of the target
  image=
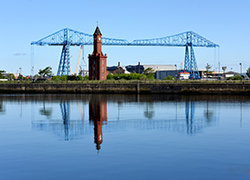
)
(71, 129)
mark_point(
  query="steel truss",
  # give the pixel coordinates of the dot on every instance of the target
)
(68, 37)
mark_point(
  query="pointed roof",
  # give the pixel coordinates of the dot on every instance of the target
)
(97, 31)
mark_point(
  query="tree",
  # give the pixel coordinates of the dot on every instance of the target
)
(46, 71)
(208, 67)
(149, 73)
(238, 77)
(248, 72)
(10, 76)
(1, 74)
(224, 69)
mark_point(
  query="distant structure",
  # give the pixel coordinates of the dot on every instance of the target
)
(155, 67)
(83, 72)
(97, 61)
(116, 69)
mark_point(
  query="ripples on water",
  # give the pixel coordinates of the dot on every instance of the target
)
(124, 137)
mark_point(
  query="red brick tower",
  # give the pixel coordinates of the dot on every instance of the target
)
(97, 61)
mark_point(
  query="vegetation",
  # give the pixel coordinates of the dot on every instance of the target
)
(149, 73)
(21, 77)
(169, 78)
(10, 77)
(46, 71)
(248, 72)
(1, 74)
(236, 77)
(208, 67)
(131, 76)
(86, 77)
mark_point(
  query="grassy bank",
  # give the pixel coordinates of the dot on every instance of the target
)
(128, 82)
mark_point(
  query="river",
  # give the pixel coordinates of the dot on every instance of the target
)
(93, 136)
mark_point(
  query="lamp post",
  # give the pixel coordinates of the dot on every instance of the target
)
(240, 70)
(176, 71)
(219, 69)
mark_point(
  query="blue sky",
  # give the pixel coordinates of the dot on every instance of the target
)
(224, 22)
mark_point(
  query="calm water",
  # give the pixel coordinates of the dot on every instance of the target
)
(124, 137)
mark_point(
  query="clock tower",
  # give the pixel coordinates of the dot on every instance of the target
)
(97, 61)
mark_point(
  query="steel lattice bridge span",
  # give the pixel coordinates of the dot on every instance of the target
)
(68, 37)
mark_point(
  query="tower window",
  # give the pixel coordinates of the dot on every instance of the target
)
(94, 68)
(102, 61)
(102, 74)
(93, 62)
(103, 68)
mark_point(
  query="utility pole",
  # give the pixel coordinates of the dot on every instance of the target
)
(219, 69)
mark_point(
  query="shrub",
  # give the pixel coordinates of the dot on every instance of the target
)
(169, 78)
(86, 77)
(131, 76)
(110, 76)
(230, 78)
(238, 77)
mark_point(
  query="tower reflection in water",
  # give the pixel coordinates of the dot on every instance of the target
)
(97, 116)
(73, 126)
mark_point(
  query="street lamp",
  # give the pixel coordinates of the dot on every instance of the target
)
(240, 69)
(219, 69)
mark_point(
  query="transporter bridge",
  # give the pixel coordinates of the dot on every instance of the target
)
(69, 37)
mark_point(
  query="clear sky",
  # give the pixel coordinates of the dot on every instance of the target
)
(224, 22)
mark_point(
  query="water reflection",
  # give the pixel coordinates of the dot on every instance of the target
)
(68, 129)
(149, 112)
(2, 107)
(98, 115)
(190, 106)
(66, 119)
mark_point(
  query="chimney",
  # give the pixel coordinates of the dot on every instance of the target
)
(119, 64)
(139, 68)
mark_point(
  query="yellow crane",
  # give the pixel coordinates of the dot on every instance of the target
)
(78, 60)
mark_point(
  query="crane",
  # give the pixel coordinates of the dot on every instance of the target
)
(78, 60)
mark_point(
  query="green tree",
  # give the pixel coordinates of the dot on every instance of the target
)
(46, 71)
(56, 78)
(10, 76)
(238, 77)
(149, 73)
(86, 77)
(1, 74)
(248, 72)
(208, 67)
(21, 77)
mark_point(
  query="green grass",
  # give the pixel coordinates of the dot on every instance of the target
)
(128, 81)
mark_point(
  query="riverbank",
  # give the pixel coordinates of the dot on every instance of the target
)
(130, 88)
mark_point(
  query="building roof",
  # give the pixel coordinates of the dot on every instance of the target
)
(97, 31)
